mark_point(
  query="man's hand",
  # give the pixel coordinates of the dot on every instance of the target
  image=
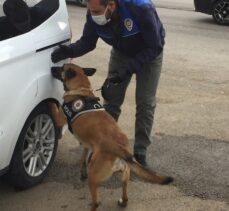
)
(111, 86)
(61, 53)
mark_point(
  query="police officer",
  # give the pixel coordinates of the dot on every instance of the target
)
(136, 34)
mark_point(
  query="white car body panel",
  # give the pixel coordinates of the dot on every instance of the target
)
(25, 77)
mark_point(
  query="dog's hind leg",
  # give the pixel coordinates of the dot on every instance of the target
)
(125, 178)
(99, 170)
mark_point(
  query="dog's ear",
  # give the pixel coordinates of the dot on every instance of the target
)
(89, 71)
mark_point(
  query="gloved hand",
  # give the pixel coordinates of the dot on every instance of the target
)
(112, 87)
(109, 90)
(61, 53)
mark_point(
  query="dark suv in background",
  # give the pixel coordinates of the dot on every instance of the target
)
(219, 9)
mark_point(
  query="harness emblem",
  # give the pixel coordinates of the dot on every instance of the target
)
(77, 105)
(128, 24)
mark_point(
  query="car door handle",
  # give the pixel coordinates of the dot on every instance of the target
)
(52, 45)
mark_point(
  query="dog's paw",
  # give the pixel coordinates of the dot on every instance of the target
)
(95, 206)
(167, 181)
(122, 203)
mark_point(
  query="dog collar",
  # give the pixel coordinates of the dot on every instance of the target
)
(81, 105)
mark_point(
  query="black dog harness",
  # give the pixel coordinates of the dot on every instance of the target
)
(81, 105)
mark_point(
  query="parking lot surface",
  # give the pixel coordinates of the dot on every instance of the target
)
(190, 135)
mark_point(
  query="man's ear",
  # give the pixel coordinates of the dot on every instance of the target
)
(112, 6)
(89, 71)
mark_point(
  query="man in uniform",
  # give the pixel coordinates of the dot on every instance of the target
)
(136, 34)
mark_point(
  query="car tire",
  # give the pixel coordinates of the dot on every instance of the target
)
(220, 12)
(35, 150)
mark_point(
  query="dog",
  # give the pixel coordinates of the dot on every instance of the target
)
(98, 131)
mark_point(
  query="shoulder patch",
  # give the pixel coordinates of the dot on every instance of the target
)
(128, 24)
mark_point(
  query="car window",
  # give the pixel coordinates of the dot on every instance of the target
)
(20, 16)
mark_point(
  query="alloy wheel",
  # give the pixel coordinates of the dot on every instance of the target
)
(39, 145)
(221, 12)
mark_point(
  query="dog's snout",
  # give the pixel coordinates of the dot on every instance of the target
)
(56, 72)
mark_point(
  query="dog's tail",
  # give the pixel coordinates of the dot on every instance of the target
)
(142, 172)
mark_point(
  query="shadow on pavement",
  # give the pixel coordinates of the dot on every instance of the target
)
(200, 166)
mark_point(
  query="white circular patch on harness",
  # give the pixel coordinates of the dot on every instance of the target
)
(77, 105)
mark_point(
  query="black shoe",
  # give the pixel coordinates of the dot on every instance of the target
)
(141, 159)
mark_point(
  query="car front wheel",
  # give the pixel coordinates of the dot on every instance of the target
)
(220, 12)
(35, 149)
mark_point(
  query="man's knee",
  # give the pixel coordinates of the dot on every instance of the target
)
(147, 106)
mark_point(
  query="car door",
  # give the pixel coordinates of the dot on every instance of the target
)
(48, 35)
(16, 76)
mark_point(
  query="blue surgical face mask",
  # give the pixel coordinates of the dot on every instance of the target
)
(101, 19)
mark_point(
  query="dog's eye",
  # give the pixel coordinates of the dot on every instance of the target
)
(69, 74)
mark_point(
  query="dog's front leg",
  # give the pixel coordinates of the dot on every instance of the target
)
(94, 193)
(93, 186)
(57, 115)
(83, 164)
(94, 179)
(125, 178)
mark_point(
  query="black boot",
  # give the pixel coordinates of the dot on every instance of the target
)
(141, 159)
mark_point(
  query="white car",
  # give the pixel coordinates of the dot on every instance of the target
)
(29, 32)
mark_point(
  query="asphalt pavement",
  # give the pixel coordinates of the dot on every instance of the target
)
(175, 4)
(190, 135)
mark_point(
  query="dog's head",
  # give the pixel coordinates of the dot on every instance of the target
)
(73, 76)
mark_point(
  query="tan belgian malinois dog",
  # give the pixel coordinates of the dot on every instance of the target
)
(98, 131)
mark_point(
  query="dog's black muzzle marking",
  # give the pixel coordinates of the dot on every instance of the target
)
(56, 72)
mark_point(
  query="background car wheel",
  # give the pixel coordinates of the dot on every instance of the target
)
(220, 12)
(35, 150)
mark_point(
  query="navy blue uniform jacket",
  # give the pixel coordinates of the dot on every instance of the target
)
(139, 34)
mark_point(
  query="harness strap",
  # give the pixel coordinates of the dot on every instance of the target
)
(80, 106)
(84, 112)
